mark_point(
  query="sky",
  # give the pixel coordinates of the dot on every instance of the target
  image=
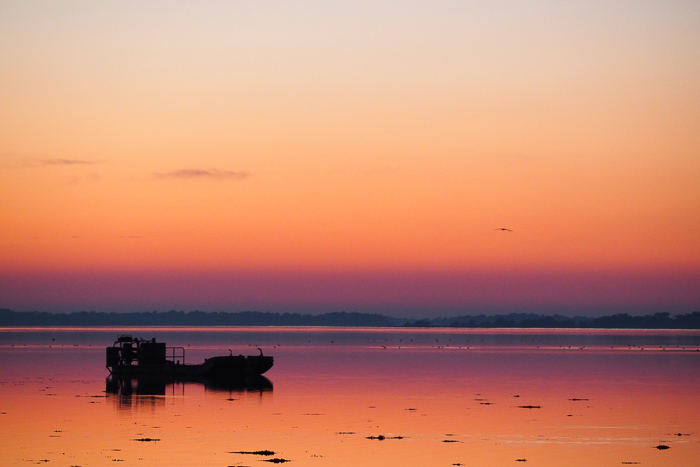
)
(350, 156)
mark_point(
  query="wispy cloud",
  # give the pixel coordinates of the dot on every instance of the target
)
(67, 162)
(214, 174)
(57, 162)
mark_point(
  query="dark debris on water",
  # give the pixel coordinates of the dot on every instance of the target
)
(256, 453)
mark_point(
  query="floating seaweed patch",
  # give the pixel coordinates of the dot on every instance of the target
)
(529, 407)
(147, 440)
(256, 453)
(277, 460)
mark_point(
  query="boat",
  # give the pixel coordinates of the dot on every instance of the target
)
(132, 357)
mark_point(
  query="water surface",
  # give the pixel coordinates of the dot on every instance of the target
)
(384, 397)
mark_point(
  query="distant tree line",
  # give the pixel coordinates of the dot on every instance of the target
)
(530, 320)
(256, 318)
(191, 318)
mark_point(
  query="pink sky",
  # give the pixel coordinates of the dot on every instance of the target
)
(403, 294)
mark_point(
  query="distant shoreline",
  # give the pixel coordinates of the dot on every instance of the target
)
(9, 318)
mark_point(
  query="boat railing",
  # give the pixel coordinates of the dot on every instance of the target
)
(176, 355)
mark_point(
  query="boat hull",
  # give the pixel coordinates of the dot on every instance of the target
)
(215, 368)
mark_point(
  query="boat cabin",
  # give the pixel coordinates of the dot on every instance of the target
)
(128, 351)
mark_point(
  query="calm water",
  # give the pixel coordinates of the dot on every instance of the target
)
(370, 397)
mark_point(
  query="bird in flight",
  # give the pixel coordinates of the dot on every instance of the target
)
(503, 229)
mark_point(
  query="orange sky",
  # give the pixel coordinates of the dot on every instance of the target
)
(390, 136)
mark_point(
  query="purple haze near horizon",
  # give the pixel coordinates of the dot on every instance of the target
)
(400, 294)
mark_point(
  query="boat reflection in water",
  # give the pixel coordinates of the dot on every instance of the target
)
(153, 390)
(161, 386)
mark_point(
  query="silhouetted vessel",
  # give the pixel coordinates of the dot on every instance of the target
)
(132, 357)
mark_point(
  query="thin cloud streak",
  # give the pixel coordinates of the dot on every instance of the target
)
(19, 162)
(36, 163)
(67, 162)
(213, 174)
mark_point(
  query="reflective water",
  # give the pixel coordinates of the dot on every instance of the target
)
(371, 397)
